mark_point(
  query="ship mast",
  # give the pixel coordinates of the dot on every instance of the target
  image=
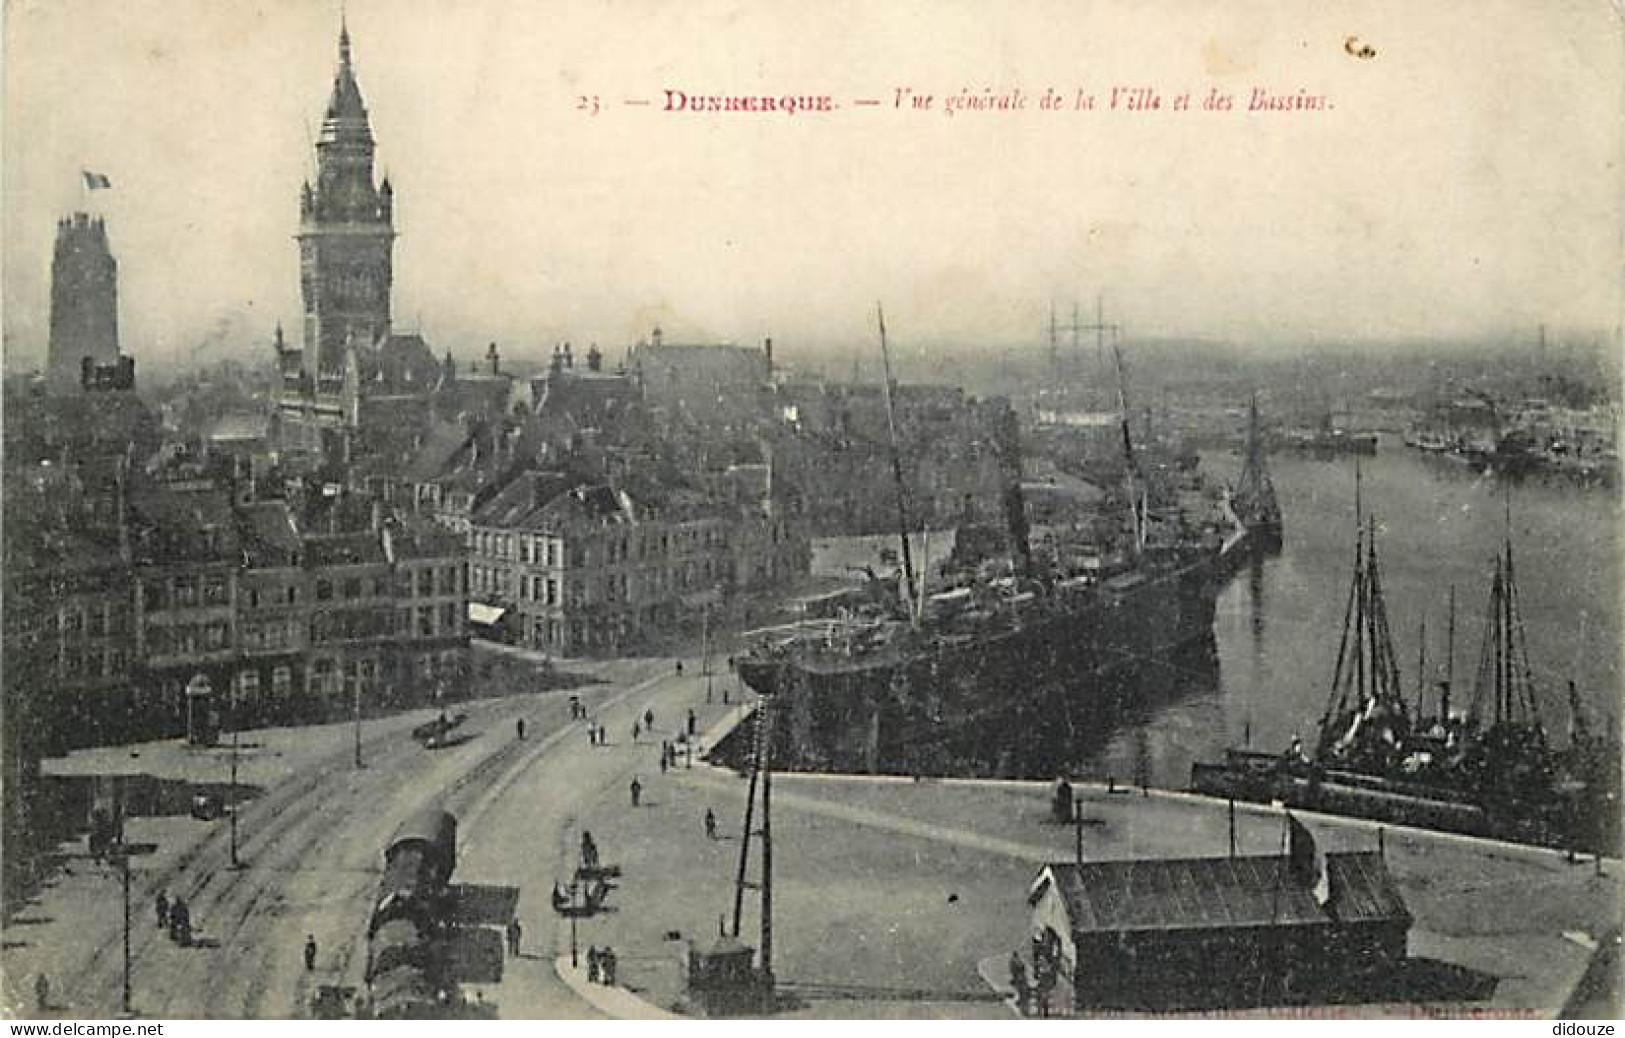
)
(897, 471)
(1136, 485)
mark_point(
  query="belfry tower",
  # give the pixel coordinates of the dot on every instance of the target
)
(84, 301)
(346, 233)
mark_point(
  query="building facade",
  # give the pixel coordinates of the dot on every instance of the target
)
(584, 569)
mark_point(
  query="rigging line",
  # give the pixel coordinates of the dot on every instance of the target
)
(1336, 703)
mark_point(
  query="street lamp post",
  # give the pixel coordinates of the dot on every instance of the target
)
(124, 870)
(232, 806)
(575, 959)
(358, 762)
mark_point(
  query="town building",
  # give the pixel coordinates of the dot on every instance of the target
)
(589, 568)
(354, 382)
(1212, 932)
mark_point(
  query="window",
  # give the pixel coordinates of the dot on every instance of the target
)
(552, 591)
(215, 591)
(253, 598)
(152, 595)
(380, 587)
(96, 622)
(281, 680)
(352, 587)
(448, 618)
(293, 594)
(425, 582)
(185, 592)
(448, 580)
(72, 620)
(324, 589)
(425, 617)
(248, 683)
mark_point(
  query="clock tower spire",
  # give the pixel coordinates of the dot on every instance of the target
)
(346, 231)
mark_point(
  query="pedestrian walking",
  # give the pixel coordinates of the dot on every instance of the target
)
(679, 668)
(649, 719)
(161, 909)
(637, 792)
(515, 934)
(42, 992)
(691, 721)
(592, 735)
(310, 952)
(710, 825)
(180, 922)
(662, 758)
(636, 731)
(589, 850)
(607, 967)
(592, 964)
(519, 729)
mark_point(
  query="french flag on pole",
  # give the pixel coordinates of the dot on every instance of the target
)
(95, 181)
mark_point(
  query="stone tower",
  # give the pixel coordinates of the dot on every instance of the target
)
(84, 301)
(346, 233)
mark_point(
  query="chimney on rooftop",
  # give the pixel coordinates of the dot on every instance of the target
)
(569, 361)
(767, 348)
(494, 359)
(654, 337)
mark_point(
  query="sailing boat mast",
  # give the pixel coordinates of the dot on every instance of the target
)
(897, 470)
(1136, 485)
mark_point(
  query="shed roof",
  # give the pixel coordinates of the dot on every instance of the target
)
(1203, 893)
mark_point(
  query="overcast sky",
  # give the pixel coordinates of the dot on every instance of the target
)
(1464, 181)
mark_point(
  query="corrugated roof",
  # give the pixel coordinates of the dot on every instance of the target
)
(1362, 888)
(1182, 894)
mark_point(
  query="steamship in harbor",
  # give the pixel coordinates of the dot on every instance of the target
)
(921, 679)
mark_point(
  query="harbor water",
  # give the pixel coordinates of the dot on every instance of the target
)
(1266, 675)
(1439, 525)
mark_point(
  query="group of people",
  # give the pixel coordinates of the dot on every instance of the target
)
(601, 965)
(175, 917)
(668, 755)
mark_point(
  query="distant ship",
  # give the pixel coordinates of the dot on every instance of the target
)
(1253, 500)
(913, 682)
(1324, 439)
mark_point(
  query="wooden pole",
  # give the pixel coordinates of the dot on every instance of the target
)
(124, 869)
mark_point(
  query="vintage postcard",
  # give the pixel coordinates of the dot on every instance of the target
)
(929, 510)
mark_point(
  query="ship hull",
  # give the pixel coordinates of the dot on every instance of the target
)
(939, 709)
(1575, 824)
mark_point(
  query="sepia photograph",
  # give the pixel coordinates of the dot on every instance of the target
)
(926, 511)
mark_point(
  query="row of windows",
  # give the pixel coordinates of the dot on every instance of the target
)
(186, 592)
(93, 621)
(74, 663)
(275, 635)
(189, 592)
(187, 639)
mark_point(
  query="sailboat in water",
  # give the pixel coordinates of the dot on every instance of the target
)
(1490, 770)
(1253, 500)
